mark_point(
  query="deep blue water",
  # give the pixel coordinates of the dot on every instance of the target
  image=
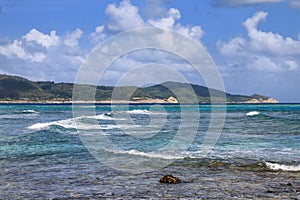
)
(39, 143)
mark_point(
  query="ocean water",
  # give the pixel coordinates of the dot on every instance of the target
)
(45, 152)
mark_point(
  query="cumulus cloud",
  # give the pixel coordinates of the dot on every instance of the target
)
(123, 17)
(58, 57)
(50, 56)
(42, 39)
(268, 41)
(99, 35)
(71, 39)
(169, 22)
(16, 50)
(261, 50)
(126, 16)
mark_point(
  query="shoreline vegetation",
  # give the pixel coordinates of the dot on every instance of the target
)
(18, 90)
(145, 102)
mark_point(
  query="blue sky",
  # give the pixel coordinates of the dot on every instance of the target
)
(254, 43)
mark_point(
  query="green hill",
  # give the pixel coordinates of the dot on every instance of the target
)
(13, 88)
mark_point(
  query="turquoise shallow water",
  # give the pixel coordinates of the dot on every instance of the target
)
(42, 155)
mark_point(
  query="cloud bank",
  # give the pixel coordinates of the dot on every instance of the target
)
(58, 57)
(264, 51)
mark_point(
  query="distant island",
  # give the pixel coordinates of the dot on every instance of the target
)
(15, 89)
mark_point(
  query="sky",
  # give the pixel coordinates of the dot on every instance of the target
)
(255, 44)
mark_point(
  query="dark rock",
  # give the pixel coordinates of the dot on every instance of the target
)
(289, 184)
(169, 179)
(270, 191)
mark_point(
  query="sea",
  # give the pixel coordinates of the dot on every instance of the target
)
(233, 151)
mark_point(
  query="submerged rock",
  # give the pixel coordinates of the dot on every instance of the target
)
(214, 164)
(169, 179)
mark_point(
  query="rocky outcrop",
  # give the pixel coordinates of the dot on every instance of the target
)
(172, 100)
(169, 179)
(269, 100)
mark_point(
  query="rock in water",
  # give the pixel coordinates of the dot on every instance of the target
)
(214, 164)
(169, 179)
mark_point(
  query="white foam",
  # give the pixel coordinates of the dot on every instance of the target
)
(252, 113)
(144, 154)
(29, 111)
(68, 123)
(139, 112)
(101, 117)
(72, 124)
(39, 126)
(283, 167)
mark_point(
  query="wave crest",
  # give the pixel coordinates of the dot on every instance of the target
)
(146, 154)
(283, 167)
(29, 111)
(76, 123)
(252, 113)
(139, 112)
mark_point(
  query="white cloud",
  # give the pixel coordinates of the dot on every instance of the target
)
(71, 39)
(264, 63)
(123, 17)
(261, 50)
(251, 23)
(197, 32)
(38, 57)
(58, 57)
(194, 32)
(99, 35)
(51, 57)
(16, 50)
(42, 39)
(126, 16)
(235, 47)
(268, 41)
(291, 64)
(167, 22)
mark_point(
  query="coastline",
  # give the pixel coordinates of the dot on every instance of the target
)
(169, 101)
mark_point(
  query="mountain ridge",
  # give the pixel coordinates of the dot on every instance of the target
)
(19, 89)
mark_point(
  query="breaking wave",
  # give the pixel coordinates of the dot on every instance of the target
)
(77, 123)
(282, 167)
(29, 111)
(68, 123)
(146, 154)
(139, 112)
(252, 113)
